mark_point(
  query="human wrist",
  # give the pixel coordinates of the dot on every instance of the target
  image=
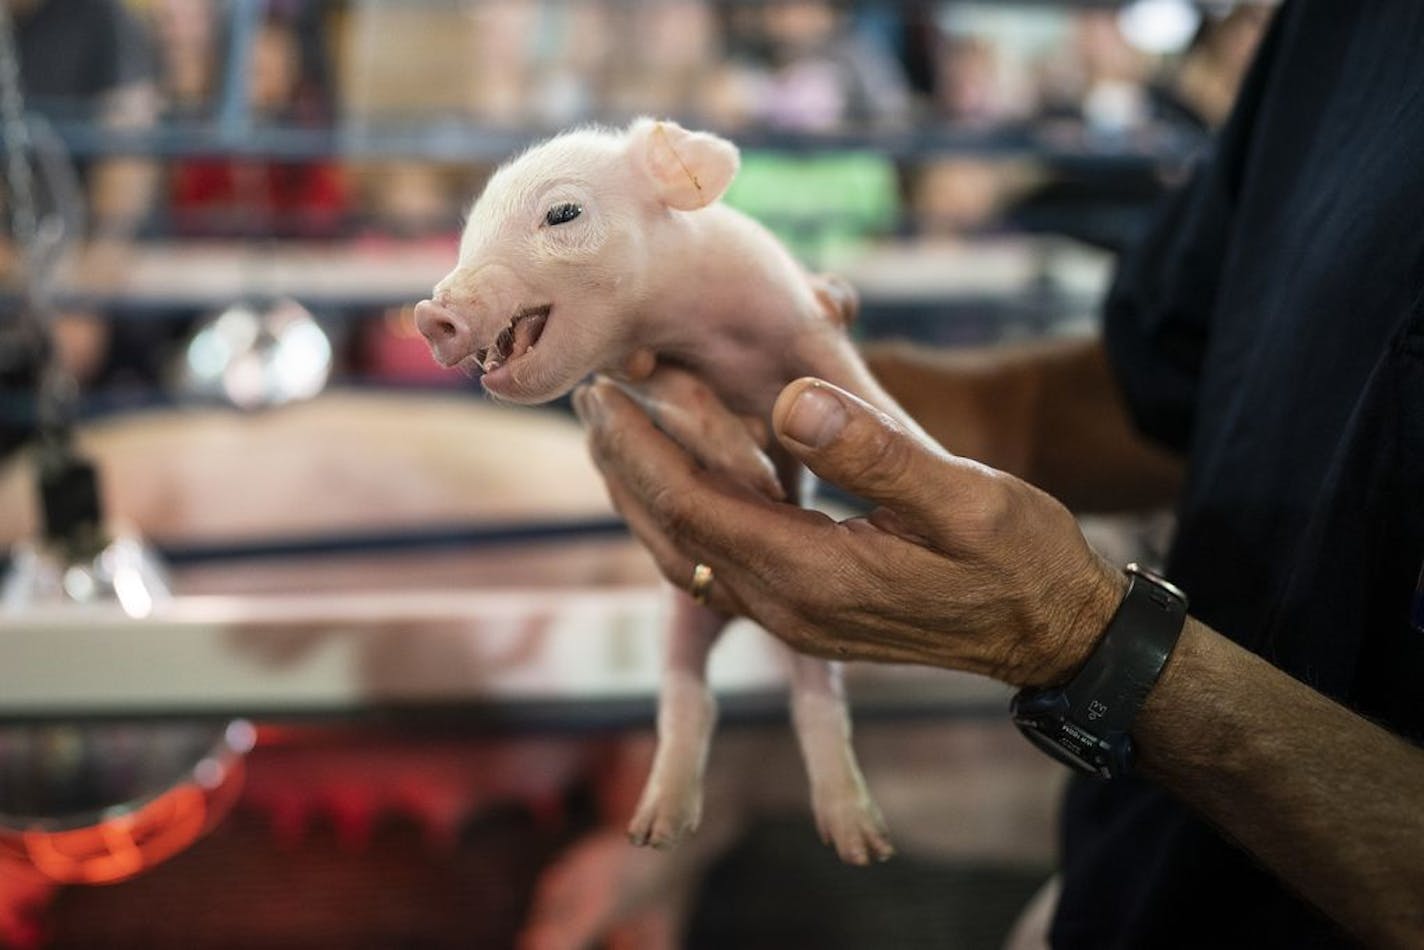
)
(1077, 622)
(1089, 721)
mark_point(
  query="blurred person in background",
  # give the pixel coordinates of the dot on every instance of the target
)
(808, 65)
(91, 61)
(185, 32)
(1204, 84)
(505, 34)
(668, 62)
(1107, 77)
(253, 196)
(1101, 85)
(406, 204)
(257, 197)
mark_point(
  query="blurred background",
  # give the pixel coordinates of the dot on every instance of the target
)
(304, 642)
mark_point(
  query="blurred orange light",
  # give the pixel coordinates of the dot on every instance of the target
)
(122, 846)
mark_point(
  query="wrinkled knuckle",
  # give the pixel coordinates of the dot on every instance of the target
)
(669, 510)
(882, 458)
(996, 506)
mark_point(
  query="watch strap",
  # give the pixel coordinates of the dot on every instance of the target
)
(1085, 723)
(1112, 685)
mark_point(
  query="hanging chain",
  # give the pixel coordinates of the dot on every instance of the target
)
(16, 131)
(58, 390)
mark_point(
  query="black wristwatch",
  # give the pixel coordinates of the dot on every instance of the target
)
(1086, 722)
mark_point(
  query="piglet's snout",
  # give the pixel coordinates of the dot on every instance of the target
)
(450, 337)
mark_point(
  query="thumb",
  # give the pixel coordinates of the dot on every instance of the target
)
(849, 443)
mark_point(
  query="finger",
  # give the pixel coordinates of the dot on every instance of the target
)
(891, 523)
(737, 589)
(855, 446)
(686, 408)
(644, 473)
(758, 430)
(770, 562)
(708, 518)
(672, 562)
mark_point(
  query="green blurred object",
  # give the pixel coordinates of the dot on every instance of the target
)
(825, 207)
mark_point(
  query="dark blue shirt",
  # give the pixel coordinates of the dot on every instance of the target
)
(1271, 328)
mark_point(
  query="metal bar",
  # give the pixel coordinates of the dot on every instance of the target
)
(459, 537)
(473, 142)
(234, 114)
(396, 540)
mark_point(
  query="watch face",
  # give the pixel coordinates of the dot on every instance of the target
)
(1063, 753)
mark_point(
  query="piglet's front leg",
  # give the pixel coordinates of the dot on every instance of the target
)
(685, 408)
(846, 816)
(671, 804)
(682, 405)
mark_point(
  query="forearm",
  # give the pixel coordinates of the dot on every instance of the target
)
(1049, 412)
(1331, 803)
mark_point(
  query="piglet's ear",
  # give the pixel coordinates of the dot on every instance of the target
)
(689, 170)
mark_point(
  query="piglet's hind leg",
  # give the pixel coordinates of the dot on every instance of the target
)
(846, 816)
(671, 804)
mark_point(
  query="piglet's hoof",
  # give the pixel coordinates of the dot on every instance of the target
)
(852, 824)
(666, 814)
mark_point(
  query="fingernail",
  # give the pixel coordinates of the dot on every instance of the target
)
(816, 417)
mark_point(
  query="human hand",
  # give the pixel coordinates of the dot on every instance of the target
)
(686, 409)
(960, 565)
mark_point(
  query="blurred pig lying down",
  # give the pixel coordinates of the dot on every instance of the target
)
(348, 463)
(963, 790)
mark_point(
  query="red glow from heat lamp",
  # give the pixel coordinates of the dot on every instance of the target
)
(120, 847)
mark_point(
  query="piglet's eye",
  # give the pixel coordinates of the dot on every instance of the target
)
(563, 214)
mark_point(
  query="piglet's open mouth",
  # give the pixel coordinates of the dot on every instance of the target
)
(515, 340)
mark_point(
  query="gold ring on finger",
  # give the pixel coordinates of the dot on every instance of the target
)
(701, 583)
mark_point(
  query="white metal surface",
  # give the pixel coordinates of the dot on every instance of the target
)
(215, 273)
(343, 653)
